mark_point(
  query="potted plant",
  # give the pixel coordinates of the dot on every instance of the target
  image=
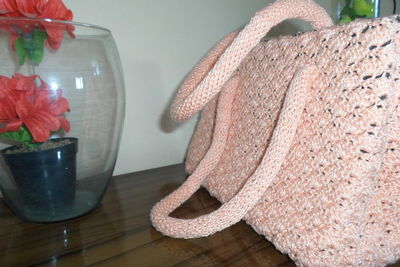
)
(44, 169)
(56, 87)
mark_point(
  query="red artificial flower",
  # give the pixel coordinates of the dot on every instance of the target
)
(9, 8)
(18, 87)
(37, 108)
(41, 9)
(55, 9)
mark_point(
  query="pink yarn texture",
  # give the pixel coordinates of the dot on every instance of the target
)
(299, 137)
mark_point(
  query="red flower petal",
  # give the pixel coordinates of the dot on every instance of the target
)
(25, 82)
(55, 9)
(55, 34)
(38, 131)
(24, 109)
(49, 121)
(65, 125)
(7, 111)
(7, 6)
(42, 99)
(11, 127)
(43, 85)
(27, 8)
(60, 106)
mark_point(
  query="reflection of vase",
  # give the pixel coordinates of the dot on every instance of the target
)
(45, 179)
(348, 10)
(86, 70)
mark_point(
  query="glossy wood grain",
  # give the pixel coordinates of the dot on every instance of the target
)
(119, 233)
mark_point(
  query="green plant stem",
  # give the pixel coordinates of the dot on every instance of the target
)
(32, 65)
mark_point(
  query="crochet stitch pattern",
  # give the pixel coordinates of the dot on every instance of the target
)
(335, 200)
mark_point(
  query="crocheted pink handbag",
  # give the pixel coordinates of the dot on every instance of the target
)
(299, 137)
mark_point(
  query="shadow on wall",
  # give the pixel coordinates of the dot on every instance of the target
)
(285, 28)
(167, 124)
(289, 27)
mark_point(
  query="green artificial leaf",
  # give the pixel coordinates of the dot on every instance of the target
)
(345, 19)
(38, 38)
(37, 55)
(349, 12)
(21, 136)
(356, 9)
(363, 8)
(32, 47)
(35, 47)
(26, 137)
(13, 136)
(20, 50)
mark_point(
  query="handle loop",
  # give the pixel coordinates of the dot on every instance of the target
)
(235, 209)
(202, 84)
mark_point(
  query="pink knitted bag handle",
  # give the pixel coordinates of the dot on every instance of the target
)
(235, 209)
(188, 102)
(198, 88)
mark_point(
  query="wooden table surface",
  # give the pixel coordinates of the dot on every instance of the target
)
(119, 233)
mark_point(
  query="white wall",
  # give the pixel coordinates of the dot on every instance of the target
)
(159, 41)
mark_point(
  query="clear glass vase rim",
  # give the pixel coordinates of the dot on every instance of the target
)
(74, 23)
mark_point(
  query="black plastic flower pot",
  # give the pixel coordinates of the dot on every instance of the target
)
(47, 178)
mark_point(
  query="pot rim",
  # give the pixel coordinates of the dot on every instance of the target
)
(73, 23)
(74, 140)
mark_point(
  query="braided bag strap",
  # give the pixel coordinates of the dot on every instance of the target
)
(201, 85)
(235, 209)
(208, 77)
